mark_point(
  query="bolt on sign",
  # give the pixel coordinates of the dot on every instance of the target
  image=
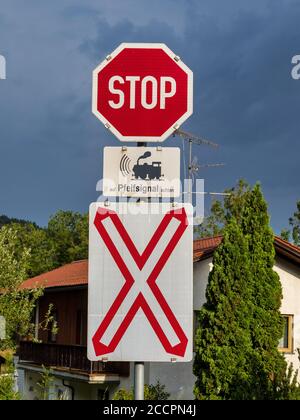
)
(140, 282)
(142, 92)
(141, 171)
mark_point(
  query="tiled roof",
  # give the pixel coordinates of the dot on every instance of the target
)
(205, 247)
(288, 250)
(76, 273)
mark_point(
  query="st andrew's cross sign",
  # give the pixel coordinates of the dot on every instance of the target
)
(140, 282)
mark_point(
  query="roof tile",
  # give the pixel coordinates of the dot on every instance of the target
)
(76, 273)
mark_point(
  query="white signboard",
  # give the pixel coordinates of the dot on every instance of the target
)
(141, 171)
(140, 304)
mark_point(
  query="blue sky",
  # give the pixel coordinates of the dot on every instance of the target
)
(244, 97)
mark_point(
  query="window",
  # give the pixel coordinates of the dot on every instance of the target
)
(286, 342)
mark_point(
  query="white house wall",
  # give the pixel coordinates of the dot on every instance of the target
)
(290, 280)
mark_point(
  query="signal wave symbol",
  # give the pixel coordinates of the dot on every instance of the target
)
(125, 165)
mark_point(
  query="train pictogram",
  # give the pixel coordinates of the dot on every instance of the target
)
(145, 171)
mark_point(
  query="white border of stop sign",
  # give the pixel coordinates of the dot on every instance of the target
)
(119, 99)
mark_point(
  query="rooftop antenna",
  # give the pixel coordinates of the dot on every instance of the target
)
(195, 167)
(193, 139)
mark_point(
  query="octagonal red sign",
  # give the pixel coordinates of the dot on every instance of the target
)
(142, 92)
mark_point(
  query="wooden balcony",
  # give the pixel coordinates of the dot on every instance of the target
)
(67, 357)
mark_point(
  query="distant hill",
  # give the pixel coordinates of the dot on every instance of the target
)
(5, 220)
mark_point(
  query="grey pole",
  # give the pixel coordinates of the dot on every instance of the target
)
(190, 196)
(139, 380)
(139, 367)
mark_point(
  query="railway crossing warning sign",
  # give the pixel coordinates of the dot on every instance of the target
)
(140, 282)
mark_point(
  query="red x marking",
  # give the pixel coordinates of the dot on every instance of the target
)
(140, 301)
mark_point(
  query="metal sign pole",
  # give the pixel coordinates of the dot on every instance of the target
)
(190, 196)
(139, 367)
(139, 380)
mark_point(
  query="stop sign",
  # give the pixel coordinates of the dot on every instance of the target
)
(142, 92)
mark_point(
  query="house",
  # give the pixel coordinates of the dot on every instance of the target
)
(74, 377)
(65, 351)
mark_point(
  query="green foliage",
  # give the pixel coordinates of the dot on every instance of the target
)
(212, 225)
(44, 384)
(240, 325)
(6, 388)
(7, 381)
(221, 212)
(294, 222)
(63, 241)
(123, 394)
(285, 234)
(16, 305)
(69, 232)
(267, 323)
(42, 248)
(4, 220)
(26, 251)
(155, 392)
(286, 386)
(223, 339)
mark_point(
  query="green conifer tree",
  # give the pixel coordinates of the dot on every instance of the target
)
(240, 325)
(267, 363)
(223, 341)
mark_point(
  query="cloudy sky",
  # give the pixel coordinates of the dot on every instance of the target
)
(245, 98)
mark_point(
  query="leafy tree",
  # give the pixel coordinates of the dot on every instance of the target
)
(42, 248)
(156, 392)
(294, 222)
(44, 384)
(221, 212)
(285, 234)
(63, 241)
(213, 224)
(16, 305)
(7, 391)
(151, 392)
(123, 395)
(286, 386)
(68, 231)
(6, 388)
(5, 220)
(267, 322)
(237, 353)
(223, 341)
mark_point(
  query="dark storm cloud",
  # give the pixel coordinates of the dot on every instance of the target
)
(245, 98)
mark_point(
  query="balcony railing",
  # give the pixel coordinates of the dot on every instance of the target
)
(67, 356)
